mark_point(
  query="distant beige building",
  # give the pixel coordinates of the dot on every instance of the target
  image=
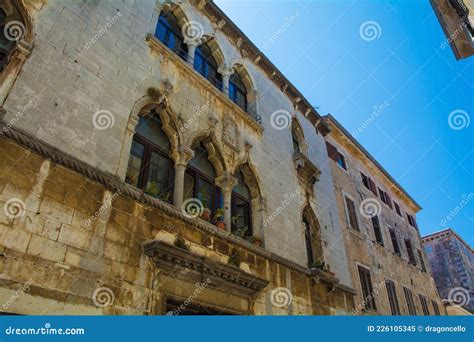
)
(457, 20)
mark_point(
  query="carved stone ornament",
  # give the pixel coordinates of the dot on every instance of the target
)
(170, 259)
(230, 133)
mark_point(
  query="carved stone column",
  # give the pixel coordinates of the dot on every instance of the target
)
(192, 45)
(259, 207)
(226, 183)
(184, 155)
(225, 73)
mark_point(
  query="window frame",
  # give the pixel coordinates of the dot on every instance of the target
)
(181, 51)
(347, 211)
(424, 304)
(392, 297)
(397, 244)
(216, 195)
(377, 230)
(368, 298)
(409, 300)
(234, 196)
(411, 256)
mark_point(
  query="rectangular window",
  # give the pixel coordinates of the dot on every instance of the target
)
(435, 308)
(365, 181)
(397, 209)
(411, 221)
(335, 155)
(392, 297)
(410, 302)
(393, 237)
(424, 305)
(367, 290)
(411, 255)
(377, 229)
(422, 261)
(385, 198)
(351, 213)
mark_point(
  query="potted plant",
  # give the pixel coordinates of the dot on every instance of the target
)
(219, 218)
(206, 212)
(165, 196)
(240, 231)
(152, 189)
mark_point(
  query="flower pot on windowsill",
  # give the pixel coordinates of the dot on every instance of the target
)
(220, 225)
(206, 215)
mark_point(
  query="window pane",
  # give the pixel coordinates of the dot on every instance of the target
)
(205, 193)
(135, 163)
(188, 186)
(150, 129)
(241, 188)
(158, 173)
(201, 162)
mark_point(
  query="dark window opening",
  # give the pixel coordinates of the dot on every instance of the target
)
(411, 255)
(169, 33)
(409, 301)
(424, 305)
(392, 297)
(397, 209)
(237, 91)
(149, 165)
(367, 290)
(206, 65)
(377, 229)
(411, 221)
(335, 155)
(241, 208)
(422, 261)
(393, 237)
(351, 213)
(435, 308)
(309, 244)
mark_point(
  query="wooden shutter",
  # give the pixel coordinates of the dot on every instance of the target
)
(424, 305)
(332, 151)
(435, 307)
(377, 230)
(411, 255)
(351, 212)
(367, 290)
(389, 201)
(373, 187)
(410, 302)
(396, 247)
(392, 297)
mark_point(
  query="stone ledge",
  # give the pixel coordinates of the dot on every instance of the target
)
(172, 260)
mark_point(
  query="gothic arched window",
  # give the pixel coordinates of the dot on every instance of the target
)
(150, 167)
(241, 208)
(206, 65)
(168, 31)
(238, 91)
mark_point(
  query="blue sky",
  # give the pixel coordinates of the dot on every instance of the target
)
(319, 46)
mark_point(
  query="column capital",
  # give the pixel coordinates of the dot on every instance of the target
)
(192, 41)
(226, 182)
(185, 154)
(225, 70)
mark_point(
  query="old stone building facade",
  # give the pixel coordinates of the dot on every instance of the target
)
(155, 161)
(385, 256)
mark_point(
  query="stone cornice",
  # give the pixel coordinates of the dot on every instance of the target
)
(113, 183)
(171, 259)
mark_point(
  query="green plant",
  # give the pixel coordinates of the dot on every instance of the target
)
(319, 264)
(152, 189)
(165, 196)
(219, 214)
(240, 232)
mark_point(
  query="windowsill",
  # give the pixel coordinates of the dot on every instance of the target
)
(246, 117)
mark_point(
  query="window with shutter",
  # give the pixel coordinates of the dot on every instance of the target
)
(367, 290)
(422, 261)
(435, 308)
(392, 297)
(377, 229)
(365, 181)
(397, 209)
(393, 237)
(373, 187)
(411, 255)
(424, 305)
(332, 151)
(389, 200)
(409, 301)
(411, 221)
(351, 214)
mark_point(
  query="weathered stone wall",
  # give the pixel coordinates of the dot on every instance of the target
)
(73, 236)
(362, 247)
(94, 55)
